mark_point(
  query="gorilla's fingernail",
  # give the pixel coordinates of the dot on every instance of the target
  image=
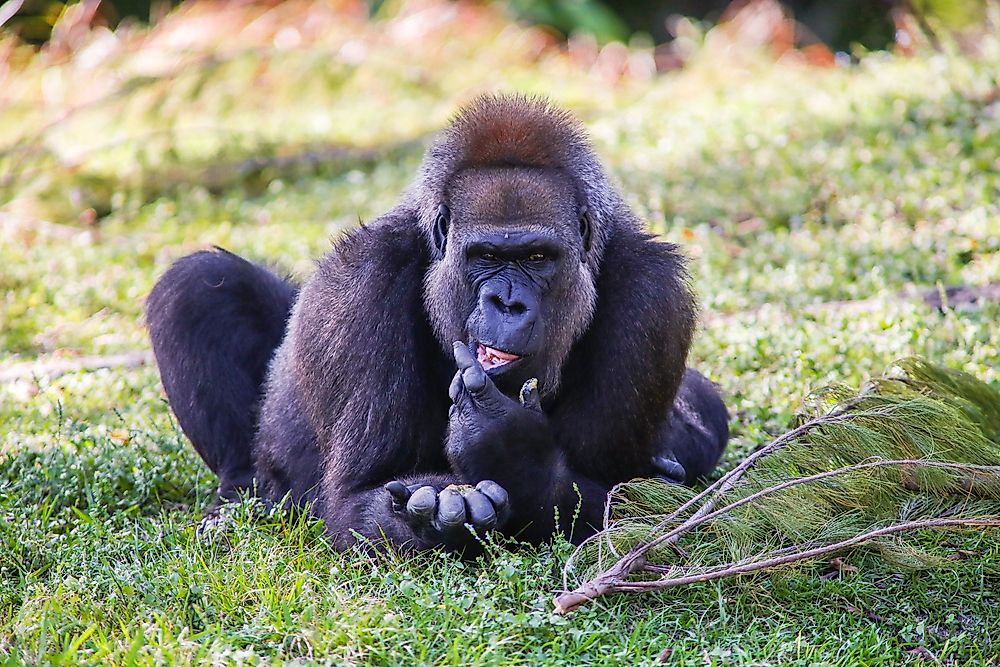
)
(496, 493)
(464, 356)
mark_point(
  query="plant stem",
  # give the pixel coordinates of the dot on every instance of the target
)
(614, 580)
(744, 567)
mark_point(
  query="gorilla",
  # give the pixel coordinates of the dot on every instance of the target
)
(497, 351)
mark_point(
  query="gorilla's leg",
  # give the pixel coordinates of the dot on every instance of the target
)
(691, 440)
(215, 319)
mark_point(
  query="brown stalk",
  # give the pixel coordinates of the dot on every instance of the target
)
(745, 567)
(609, 584)
(664, 569)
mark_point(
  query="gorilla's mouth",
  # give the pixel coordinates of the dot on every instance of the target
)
(491, 358)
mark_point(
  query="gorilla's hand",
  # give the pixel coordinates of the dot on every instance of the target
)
(491, 435)
(667, 468)
(441, 517)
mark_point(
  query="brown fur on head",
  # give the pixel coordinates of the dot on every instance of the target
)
(497, 196)
(513, 132)
(507, 131)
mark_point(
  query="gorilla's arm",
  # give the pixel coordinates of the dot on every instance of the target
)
(621, 379)
(618, 386)
(497, 437)
(373, 382)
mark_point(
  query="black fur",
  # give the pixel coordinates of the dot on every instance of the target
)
(364, 415)
(214, 320)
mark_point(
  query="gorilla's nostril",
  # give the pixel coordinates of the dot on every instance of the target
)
(515, 308)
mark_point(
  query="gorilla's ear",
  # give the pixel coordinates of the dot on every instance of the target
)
(441, 229)
(585, 228)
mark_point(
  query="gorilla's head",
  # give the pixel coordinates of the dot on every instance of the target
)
(513, 246)
(517, 212)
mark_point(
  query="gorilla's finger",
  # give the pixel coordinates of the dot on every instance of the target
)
(471, 371)
(480, 510)
(399, 493)
(667, 468)
(464, 358)
(422, 502)
(475, 379)
(451, 509)
(455, 389)
(496, 493)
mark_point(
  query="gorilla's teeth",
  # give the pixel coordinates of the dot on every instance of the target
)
(493, 358)
(500, 354)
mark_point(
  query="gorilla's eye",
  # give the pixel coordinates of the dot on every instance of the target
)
(537, 257)
(489, 256)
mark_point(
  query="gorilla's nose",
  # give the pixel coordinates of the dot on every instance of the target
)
(510, 314)
(509, 306)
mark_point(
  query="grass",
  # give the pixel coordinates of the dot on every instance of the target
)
(816, 206)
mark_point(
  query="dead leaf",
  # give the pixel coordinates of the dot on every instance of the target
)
(921, 652)
(838, 566)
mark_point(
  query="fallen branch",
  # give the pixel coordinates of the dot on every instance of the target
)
(569, 601)
(614, 580)
(635, 560)
(926, 408)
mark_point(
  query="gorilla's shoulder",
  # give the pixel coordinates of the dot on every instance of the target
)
(643, 262)
(383, 251)
(643, 282)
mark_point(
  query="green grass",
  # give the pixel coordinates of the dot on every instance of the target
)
(792, 190)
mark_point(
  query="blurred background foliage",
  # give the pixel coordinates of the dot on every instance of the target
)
(99, 108)
(841, 24)
(738, 128)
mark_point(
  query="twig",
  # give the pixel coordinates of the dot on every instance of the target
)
(950, 465)
(745, 567)
(52, 368)
(569, 601)
(691, 524)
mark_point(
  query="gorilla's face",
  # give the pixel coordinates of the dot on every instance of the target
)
(513, 275)
(514, 267)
